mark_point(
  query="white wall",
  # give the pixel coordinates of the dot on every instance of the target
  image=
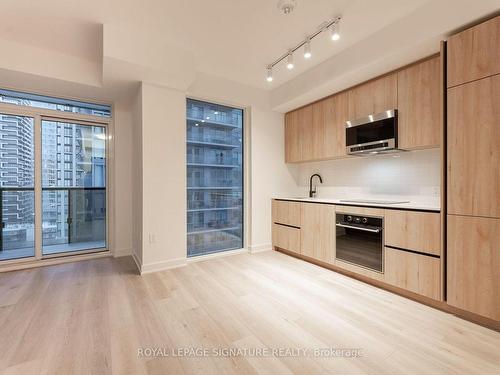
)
(270, 176)
(122, 184)
(136, 166)
(163, 177)
(413, 175)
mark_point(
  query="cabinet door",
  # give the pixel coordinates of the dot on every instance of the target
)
(375, 96)
(306, 133)
(285, 212)
(318, 231)
(474, 148)
(473, 271)
(286, 238)
(419, 105)
(419, 231)
(293, 147)
(335, 116)
(318, 130)
(474, 53)
(414, 272)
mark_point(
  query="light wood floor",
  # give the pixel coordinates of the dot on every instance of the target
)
(92, 317)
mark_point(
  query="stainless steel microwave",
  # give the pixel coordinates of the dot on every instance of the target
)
(373, 134)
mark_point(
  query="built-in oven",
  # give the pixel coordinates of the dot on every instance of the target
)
(360, 241)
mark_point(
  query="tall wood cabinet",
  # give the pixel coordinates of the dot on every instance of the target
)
(474, 148)
(473, 221)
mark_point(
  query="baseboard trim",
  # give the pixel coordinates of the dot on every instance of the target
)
(162, 266)
(117, 253)
(260, 248)
(136, 261)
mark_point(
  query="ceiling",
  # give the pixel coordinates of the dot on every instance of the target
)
(231, 39)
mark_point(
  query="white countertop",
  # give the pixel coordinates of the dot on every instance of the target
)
(412, 205)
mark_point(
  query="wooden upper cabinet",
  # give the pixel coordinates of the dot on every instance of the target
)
(419, 105)
(306, 133)
(374, 96)
(474, 148)
(335, 112)
(473, 271)
(474, 53)
(411, 230)
(318, 231)
(298, 135)
(293, 148)
(318, 130)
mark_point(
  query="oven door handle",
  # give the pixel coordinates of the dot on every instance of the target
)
(359, 228)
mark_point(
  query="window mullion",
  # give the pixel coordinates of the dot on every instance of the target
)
(38, 186)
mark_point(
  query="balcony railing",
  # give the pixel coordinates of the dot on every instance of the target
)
(73, 219)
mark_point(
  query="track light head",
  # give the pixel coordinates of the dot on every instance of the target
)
(334, 31)
(289, 61)
(269, 77)
(307, 49)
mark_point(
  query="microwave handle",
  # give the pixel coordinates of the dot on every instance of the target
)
(359, 228)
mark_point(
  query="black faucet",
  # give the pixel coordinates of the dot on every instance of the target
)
(311, 191)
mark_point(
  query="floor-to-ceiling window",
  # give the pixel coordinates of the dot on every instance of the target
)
(17, 181)
(214, 178)
(53, 176)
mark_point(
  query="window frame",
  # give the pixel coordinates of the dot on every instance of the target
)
(246, 173)
(49, 114)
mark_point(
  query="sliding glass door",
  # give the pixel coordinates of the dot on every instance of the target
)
(17, 181)
(214, 178)
(53, 177)
(73, 187)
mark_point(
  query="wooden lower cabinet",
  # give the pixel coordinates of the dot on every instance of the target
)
(286, 238)
(318, 231)
(417, 273)
(286, 212)
(413, 230)
(473, 271)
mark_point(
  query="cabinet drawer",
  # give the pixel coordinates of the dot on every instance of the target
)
(287, 238)
(285, 212)
(419, 231)
(414, 272)
(474, 53)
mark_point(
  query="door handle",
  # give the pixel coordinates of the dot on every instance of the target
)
(359, 228)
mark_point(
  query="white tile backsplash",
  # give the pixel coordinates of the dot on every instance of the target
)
(411, 175)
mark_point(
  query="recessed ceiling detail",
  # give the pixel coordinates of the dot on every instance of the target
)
(332, 26)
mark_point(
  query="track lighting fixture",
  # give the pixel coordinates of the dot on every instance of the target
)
(307, 49)
(289, 61)
(334, 31)
(332, 26)
(269, 77)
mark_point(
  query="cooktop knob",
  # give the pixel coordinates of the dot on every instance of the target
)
(365, 220)
(357, 220)
(349, 218)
